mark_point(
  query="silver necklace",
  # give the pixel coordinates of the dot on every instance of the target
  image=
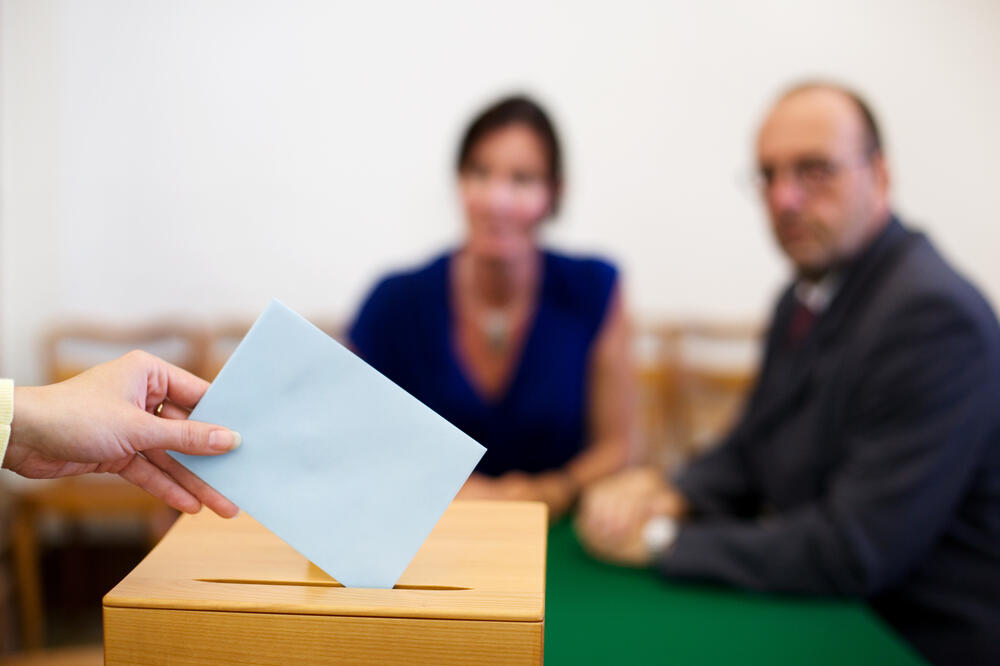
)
(496, 326)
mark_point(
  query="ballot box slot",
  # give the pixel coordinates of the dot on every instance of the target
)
(323, 583)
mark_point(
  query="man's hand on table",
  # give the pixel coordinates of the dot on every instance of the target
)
(615, 511)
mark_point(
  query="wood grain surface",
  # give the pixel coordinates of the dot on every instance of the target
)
(229, 591)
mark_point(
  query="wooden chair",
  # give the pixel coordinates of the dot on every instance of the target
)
(7, 599)
(72, 348)
(221, 342)
(717, 365)
(658, 394)
(68, 350)
(73, 500)
(693, 377)
(86, 655)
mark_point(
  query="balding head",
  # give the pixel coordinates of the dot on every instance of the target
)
(872, 136)
(823, 176)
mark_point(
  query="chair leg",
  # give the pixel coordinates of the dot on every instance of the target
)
(26, 563)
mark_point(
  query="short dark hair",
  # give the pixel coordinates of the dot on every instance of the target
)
(516, 110)
(873, 136)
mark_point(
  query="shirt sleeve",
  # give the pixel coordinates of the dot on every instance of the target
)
(718, 483)
(6, 414)
(919, 419)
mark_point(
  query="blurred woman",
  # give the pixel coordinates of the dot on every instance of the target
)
(523, 348)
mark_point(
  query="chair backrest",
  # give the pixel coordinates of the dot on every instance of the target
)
(693, 376)
(654, 351)
(201, 349)
(72, 348)
(222, 340)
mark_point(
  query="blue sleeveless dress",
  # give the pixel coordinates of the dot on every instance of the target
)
(405, 330)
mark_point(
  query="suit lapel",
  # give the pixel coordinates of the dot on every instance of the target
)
(787, 373)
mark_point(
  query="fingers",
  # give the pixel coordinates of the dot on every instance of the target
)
(169, 410)
(172, 430)
(592, 541)
(181, 435)
(609, 526)
(618, 515)
(164, 478)
(616, 507)
(182, 388)
(144, 474)
(610, 515)
(516, 486)
(203, 492)
(478, 487)
(472, 492)
(630, 551)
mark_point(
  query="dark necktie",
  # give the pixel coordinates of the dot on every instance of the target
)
(801, 323)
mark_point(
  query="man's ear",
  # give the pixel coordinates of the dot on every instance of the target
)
(880, 167)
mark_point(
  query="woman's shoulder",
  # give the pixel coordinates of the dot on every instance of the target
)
(402, 286)
(581, 275)
(398, 295)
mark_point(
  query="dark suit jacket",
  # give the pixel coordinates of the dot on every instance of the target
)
(867, 461)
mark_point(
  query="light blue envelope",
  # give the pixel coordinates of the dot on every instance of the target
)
(339, 462)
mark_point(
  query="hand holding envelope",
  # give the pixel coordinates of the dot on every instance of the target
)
(336, 460)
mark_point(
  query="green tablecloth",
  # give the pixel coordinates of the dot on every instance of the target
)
(601, 614)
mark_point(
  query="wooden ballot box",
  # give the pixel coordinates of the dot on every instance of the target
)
(218, 591)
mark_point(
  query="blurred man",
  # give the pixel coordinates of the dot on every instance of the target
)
(867, 461)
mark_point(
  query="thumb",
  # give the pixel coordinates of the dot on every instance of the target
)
(191, 437)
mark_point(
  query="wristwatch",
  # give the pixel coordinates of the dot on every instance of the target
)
(659, 534)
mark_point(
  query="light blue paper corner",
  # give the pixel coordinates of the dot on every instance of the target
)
(339, 462)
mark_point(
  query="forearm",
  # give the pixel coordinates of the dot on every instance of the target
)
(887, 505)
(718, 485)
(25, 434)
(597, 461)
(802, 554)
(559, 488)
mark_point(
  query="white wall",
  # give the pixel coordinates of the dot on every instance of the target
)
(197, 158)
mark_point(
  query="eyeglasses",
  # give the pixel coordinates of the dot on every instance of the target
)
(812, 174)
